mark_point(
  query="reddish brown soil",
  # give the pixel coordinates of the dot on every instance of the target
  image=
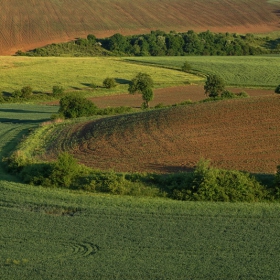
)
(241, 134)
(35, 23)
(168, 96)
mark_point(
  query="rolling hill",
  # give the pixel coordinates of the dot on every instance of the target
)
(39, 22)
(241, 134)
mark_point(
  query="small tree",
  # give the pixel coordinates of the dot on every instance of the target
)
(109, 83)
(186, 67)
(277, 90)
(214, 85)
(143, 84)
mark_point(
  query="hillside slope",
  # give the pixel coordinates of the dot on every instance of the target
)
(238, 134)
(39, 22)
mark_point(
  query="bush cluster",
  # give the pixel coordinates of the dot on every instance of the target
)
(205, 183)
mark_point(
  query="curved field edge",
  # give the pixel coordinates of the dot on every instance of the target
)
(234, 134)
(107, 232)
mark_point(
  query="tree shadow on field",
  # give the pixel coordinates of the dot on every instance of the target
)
(122, 81)
(169, 168)
(14, 121)
(18, 111)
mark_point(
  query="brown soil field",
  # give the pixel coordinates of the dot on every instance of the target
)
(240, 134)
(167, 96)
(36, 23)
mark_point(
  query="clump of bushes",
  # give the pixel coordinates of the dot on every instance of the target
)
(25, 92)
(212, 184)
(205, 183)
(109, 83)
(74, 107)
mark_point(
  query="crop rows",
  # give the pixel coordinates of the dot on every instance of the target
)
(125, 238)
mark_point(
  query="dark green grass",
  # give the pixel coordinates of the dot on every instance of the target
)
(53, 234)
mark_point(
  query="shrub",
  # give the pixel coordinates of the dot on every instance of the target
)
(109, 83)
(74, 107)
(26, 92)
(57, 90)
(212, 184)
(227, 94)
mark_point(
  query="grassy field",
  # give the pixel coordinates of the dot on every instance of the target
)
(247, 71)
(53, 234)
(78, 73)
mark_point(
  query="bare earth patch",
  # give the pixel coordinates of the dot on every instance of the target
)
(241, 134)
(168, 96)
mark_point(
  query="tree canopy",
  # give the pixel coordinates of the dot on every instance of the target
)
(143, 84)
(214, 85)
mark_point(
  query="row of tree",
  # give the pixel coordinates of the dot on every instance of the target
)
(160, 43)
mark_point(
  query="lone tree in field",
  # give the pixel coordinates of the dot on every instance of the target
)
(277, 90)
(186, 67)
(214, 85)
(143, 84)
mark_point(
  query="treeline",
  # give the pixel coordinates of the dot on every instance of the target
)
(160, 43)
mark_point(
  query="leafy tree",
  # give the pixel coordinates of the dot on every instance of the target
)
(109, 83)
(143, 84)
(214, 85)
(75, 106)
(277, 90)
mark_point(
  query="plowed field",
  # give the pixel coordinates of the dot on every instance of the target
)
(35, 23)
(241, 134)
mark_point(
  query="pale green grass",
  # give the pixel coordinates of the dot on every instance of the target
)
(77, 73)
(247, 71)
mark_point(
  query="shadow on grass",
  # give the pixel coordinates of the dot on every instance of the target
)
(8, 120)
(122, 81)
(18, 111)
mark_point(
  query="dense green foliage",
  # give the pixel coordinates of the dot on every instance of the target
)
(214, 86)
(74, 107)
(204, 184)
(109, 83)
(160, 43)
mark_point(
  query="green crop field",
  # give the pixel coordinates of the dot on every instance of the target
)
(62, 234)
(77, 73)
(247, 71)
(54, 234)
